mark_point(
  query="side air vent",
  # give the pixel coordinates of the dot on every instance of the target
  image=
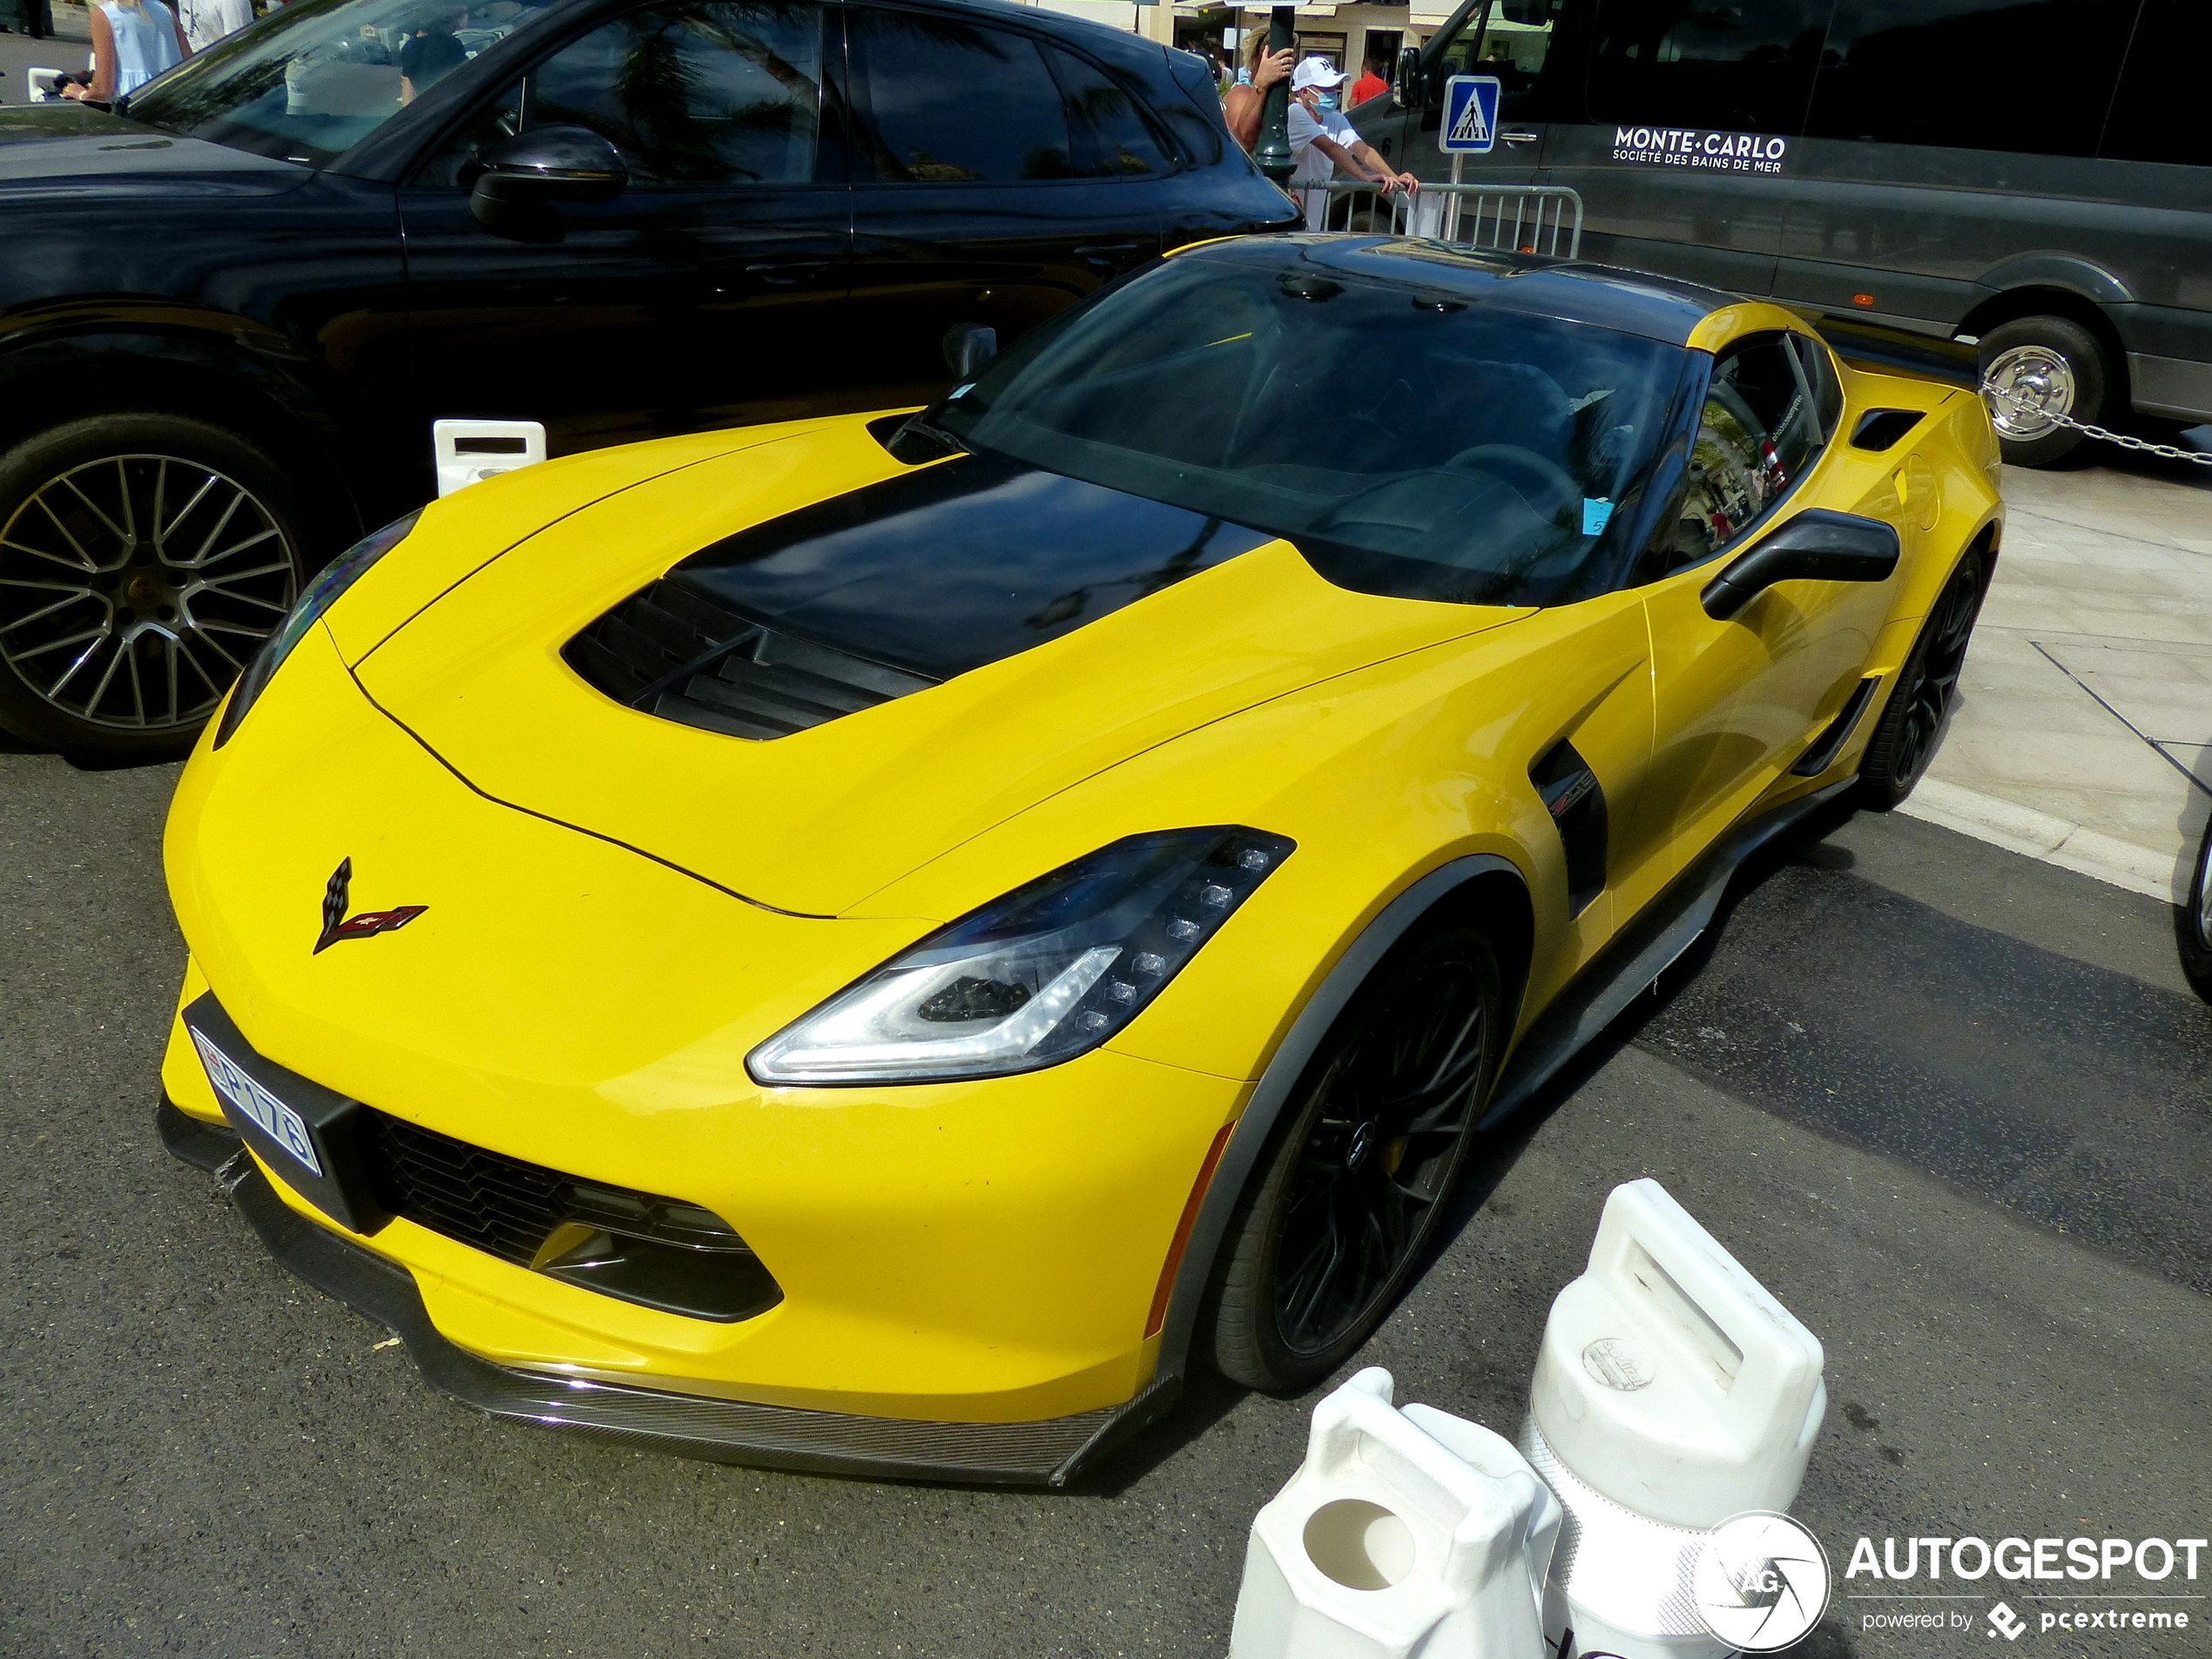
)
(1879, 429)
(671, 652)
(1572, 794)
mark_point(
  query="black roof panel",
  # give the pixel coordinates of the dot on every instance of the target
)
(1632, 302)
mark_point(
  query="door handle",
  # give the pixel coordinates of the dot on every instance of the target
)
(1104, 253)
(1516, 136)
(784, 271)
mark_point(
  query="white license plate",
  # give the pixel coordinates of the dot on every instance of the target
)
(283, 1125)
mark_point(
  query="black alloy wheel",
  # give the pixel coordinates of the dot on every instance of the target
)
(1362, 1163)
(2193, 922)
(143, 558)
(1911, 725)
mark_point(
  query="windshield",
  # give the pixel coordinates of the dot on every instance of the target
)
(323, 75)
(1411, 440)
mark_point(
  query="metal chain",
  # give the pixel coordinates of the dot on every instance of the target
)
(2165, 451)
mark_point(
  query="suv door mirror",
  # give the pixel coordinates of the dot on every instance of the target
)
(969, 346)
(1408, 89)
(1819, 545)
(524, 176)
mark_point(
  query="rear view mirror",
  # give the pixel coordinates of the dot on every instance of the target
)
(524, 176)
(1408, 88)
(969, 346)
(1819, 545)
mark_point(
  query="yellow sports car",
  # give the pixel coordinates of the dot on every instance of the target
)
(877, 943)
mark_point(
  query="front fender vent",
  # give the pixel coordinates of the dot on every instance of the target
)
(668, 651)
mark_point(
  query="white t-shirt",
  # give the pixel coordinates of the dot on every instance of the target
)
(1312, 166)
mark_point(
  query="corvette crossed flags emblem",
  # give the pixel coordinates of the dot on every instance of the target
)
(337, 925)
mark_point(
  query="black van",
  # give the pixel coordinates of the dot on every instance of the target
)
(2033, 176)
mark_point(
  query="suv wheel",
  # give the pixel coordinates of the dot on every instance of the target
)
(143, 560)
(2193, 924)
(2047, 366)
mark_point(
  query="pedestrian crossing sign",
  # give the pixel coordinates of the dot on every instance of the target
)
(1470, 115)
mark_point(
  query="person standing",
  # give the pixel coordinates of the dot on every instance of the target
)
(1372, 84)
(1323, 142)
(207, 21)
(133, 42)
(1247, 100)
(430, 54)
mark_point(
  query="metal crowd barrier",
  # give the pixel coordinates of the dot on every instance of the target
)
(1526, 219)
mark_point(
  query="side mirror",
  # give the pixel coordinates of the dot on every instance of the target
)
(1408, 88)
(1819, 545)
(969, 346)
(524, 176)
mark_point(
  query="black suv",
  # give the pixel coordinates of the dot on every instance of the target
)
(231, 307)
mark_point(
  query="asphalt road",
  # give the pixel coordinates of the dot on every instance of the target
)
(1950, 1104)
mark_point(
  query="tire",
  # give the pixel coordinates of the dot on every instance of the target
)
(2056, 365)
(2193, 923)
(1905, 738)
(143, 560)
(1367, 1154)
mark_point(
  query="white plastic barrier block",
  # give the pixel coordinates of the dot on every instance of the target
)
(1672, 1391)
(467, 451)
(1403, 1533)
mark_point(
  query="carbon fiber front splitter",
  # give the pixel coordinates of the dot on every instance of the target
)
(1039, 1453)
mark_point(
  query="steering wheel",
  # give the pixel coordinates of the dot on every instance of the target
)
(1561, 495)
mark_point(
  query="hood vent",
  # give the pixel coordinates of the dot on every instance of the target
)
(670, 652)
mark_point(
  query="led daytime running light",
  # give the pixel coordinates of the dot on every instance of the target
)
(1047, 973)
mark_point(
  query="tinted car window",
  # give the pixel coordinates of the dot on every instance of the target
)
(1110, 139)
(1951, 72)
(2158, 115)
(1758, 434)
(1741, 67)
(311, 84)
(947, 101)
(1410, 443)
(1516, 44)
(700, 91)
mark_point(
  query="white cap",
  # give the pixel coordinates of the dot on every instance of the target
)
(1315, 71)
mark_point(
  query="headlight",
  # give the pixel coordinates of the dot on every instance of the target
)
(338, 576)
(1047, 973)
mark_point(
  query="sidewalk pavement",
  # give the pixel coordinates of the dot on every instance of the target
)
(69, 47)
(2083, 730)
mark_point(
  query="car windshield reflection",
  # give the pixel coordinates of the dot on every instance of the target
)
(1411, 440)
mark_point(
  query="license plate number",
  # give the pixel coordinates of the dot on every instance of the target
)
(283, 1125)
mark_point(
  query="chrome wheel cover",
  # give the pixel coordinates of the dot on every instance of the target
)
(134, 588)
(2042, 384)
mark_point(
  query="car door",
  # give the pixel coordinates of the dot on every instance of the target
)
(1679, 140)
(708, 291)
(998, 177)
(1736, 702)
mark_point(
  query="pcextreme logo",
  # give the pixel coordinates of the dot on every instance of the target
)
(2125, 1584)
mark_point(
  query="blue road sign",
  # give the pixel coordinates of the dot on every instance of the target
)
(1470, 115)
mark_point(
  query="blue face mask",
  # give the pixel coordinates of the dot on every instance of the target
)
(1325, 101)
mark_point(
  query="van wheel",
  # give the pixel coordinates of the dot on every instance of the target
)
(2046, 366)
(1361, 1164)
(143, 560)
(1905, 739)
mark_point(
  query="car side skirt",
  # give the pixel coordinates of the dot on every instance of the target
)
(724, 1431)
